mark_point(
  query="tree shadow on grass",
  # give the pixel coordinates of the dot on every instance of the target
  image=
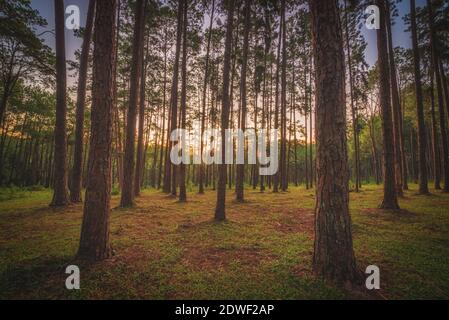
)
(38, 278)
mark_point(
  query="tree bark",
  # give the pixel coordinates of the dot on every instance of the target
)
(333, 256)
(220, 209)
(353, 109)
(398, 149)
(203, 110)
(95, 243)
(138, 176)
(422, 131)
(61, 194)
(439, 84)
(390, 200)
(240, 178)
(182, 166)
(75, 190)
(283, 170)
(170, 173)
(127, 197)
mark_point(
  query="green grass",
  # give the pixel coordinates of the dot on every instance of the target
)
(170, 250)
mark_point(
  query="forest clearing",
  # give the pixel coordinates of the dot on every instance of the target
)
(224, 149)
(171, 250)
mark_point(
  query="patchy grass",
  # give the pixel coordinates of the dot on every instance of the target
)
(170, 250)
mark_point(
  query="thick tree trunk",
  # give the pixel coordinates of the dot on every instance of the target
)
(422, 145)
(221, 188)
(77, 170)
(61, 194)
(390, 200)
(94, 242)
(333, 253)
(127, 197)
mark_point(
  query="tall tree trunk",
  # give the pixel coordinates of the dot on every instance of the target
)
(390, 200)
(127, 197)
(333, 256)
(170, 172)
(284, 101)
(398, 149)
(95, 243)
(61, 194)
(422, 147)
(161, 159)
(240, 178)
(435, 137)
(439, 84)
(203, 101)
(182, 166)
(276, 99)
(353, 109)
(77, 170)
(138, 175)
(221, 189)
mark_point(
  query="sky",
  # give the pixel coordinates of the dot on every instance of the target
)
(46, 8)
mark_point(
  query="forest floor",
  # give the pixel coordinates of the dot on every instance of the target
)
(170, 250)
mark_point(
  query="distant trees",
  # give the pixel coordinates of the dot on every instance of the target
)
(94, 241)
(177, 65)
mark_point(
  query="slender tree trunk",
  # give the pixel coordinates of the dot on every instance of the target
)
(94, 242)
(77, 170)
(284, 101)
(159, 180)
(61, 194)
(390, 200)
(276, 99)
(138, 175)
(353, 110)
(333, 251)
(170, 179)
(221, 189)
(182, 166)
(439, 84)
(127, 197)
(422, 147)
(243, 95)
(203, 111)
(395, 104)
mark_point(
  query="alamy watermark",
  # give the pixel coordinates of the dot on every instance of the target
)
(72, 22)
(261, 148)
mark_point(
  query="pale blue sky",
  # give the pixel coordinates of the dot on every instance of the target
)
(400, 37)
